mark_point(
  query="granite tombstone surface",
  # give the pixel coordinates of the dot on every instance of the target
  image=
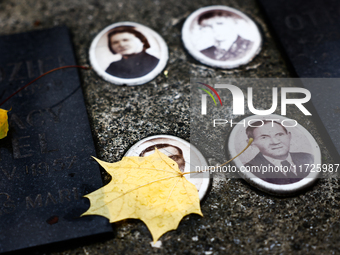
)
(309, 33)
(45, 164)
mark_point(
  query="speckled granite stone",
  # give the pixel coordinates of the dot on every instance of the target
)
(238, 218)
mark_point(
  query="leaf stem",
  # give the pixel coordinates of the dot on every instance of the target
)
(249, 143)
(55, 69)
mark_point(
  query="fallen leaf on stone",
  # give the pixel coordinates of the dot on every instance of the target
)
(3, 123)
(150, 188)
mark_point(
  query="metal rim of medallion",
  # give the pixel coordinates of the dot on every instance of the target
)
(302, 145)
(101, 55)
(248, 38)
(188, 150)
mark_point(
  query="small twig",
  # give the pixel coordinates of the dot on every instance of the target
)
(55, 69)
(249, 143)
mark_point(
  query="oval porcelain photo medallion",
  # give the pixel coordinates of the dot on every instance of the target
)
(182, 152)
(221, 36)
(128, 53)
(282, 158)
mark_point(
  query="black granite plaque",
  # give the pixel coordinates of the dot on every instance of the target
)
(310, 35)
(45, 162)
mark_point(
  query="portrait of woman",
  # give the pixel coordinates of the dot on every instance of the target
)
(131, 45)
(128, 53)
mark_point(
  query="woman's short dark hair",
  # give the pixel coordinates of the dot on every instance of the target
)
(131, 30)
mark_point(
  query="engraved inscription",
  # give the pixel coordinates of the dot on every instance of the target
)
(43, 144)
(14, 119)
(49, 199)
(6, 203)
(19, 150)
(21, 142)
(29, 69)
(294, 22)
(310, 18)
(37, 202)
(8, 174)
(55, 115)
(40, 200)
(37, 169)
(15, 71)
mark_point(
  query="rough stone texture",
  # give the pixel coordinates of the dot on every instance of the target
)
(238, 219)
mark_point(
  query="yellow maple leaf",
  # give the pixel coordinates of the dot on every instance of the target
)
(151, 189)
(3, 123)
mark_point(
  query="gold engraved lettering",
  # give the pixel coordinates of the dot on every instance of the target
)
(34, 170)
(60, 162)
(75, 193)
(30, 69)
(16, 120)
(55, 116)
(15, 71)
(9, 175)
(43, 144)
(37, 169)
(17, 146)
(37, 202)
(7, 205)
(47, 64)
(41, 66)
(43, 166)
(30, 117)
(41, 113)
(50, 197)
(64, 194)
(72, 162)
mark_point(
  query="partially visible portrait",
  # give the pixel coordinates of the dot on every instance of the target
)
(173, 152)
(178, 150)
(128, 53)
(282, 153)
(221, 36)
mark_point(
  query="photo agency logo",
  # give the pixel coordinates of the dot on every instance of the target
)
(261, 127)
(244, 128)
(204, 97)
(238, 98)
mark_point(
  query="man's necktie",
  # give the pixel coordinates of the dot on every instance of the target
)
(286, 167)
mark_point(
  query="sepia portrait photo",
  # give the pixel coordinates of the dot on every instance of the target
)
(128, 53)
(282, 151)
(178, 150)
(221, 36)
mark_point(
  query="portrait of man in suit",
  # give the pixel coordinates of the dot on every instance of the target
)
(228, 44)
(274, 141)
